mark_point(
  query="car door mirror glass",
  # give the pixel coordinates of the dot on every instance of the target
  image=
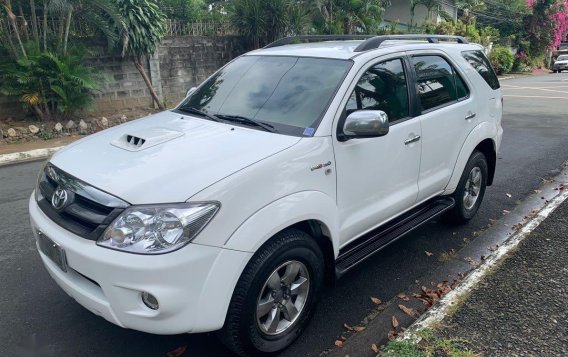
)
(366, 124)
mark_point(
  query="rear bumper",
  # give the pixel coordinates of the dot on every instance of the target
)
(193, 285)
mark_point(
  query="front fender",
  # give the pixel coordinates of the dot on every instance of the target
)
(481, 132)
(282, 213)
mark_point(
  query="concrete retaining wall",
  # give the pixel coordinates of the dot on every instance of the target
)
(179, 63)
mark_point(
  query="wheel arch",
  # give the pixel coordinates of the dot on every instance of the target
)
(483, 139)
(487, 148)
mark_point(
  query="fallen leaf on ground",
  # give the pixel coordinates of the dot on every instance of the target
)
(471, 261)
(403, 297)
(339, 343)
(376, 301)
(392, 335)
(407, 310)
(394, 322)
(343, 338)
(428, 253)
(348, 327)
(374, 348)
(358, 328)
(177, 352)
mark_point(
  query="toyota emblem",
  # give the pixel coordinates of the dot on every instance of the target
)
(59, 198)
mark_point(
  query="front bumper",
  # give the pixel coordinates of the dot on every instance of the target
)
(193, 285)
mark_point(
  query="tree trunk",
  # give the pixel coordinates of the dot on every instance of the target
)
(45, 25)
(38, 113)
(26, 33)
(67, 26)
(12, 18)
(140, 67)
(11, 45)
(34, 22)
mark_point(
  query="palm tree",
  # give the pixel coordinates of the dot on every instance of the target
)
(350, 16)
(144, 29)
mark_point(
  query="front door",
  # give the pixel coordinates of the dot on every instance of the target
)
(377, 177)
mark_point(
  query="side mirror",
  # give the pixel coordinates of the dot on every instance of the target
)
(190, 91)
(365, 124)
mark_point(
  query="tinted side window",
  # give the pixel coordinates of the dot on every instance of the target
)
(382, 87)
(435, 79)
(481, 64)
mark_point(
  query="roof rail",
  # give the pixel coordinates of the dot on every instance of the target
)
(292, 39)
(375, 42)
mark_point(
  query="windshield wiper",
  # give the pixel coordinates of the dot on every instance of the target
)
(245, 120)
(192, 110)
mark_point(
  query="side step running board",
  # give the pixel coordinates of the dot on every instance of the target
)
(364, 247)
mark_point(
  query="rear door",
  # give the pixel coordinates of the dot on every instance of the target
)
(447, 116)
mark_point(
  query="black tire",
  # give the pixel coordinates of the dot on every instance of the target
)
(241, 332)
(460, 214)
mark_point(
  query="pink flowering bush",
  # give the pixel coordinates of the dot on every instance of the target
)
(548, 22)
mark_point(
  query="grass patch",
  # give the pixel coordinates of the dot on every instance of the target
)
(429, 346)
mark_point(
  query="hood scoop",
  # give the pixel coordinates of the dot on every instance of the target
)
(137, 140)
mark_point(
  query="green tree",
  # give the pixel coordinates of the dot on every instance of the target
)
(47, 53)
(263, 21)
(144, 26)
(469, 8)
(349, 16)
(184, 10)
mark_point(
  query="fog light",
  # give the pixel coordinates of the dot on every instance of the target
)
(150, 300)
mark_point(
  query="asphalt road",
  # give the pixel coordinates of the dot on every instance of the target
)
(36, 314)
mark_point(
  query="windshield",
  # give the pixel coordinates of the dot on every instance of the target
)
(289, 93)
(562, 58)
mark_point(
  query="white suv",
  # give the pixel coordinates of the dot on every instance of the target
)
(287, 167)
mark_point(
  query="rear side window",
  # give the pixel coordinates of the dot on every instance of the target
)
(479, 61)
(435, 80)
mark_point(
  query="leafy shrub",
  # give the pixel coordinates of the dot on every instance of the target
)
(502, 59)
(49, 85)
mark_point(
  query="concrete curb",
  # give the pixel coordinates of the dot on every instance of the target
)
(438, 313)
(506, 77)
(17, 157)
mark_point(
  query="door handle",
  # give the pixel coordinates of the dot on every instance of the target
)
(412, 140)
(470, 116)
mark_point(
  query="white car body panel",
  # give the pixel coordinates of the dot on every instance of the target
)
(277, 180)
(190, 300)
(190, 162)
(264, 182)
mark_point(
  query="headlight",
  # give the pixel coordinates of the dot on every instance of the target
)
(157, 229)
(37, 191)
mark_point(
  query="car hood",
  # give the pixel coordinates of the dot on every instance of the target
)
(167, 157)
(561, 62)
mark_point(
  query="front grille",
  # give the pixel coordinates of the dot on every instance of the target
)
(85, 210)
